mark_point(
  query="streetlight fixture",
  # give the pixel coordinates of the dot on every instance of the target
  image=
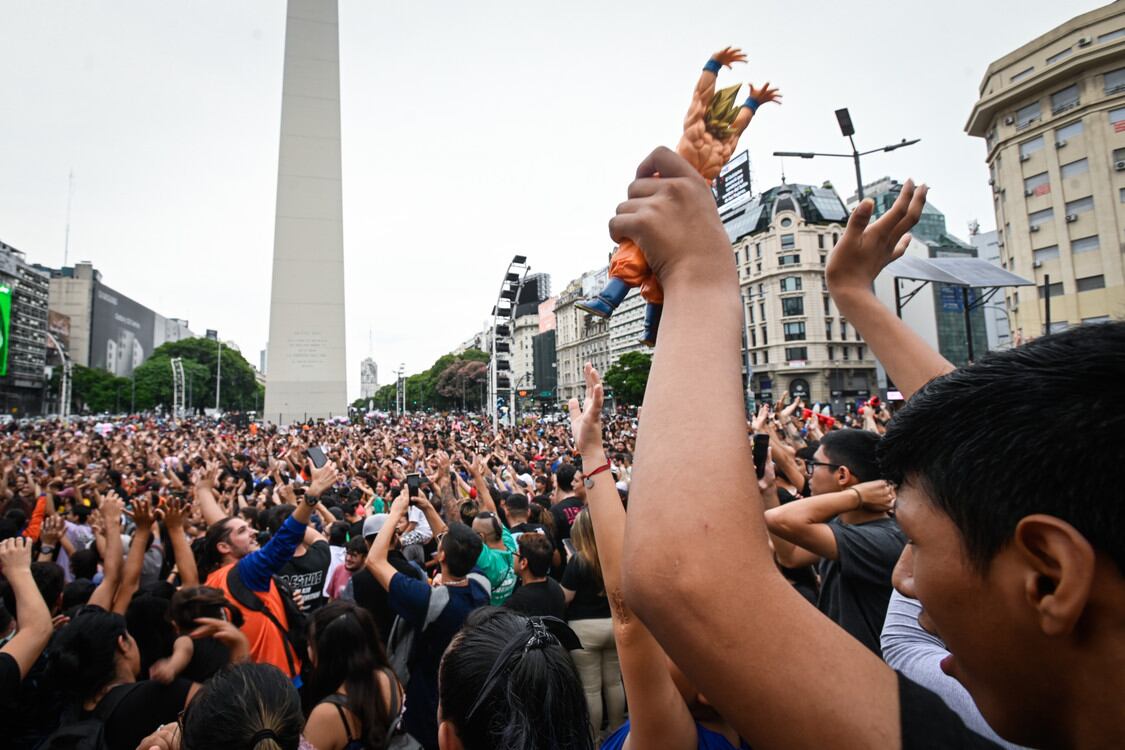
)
(848, 130)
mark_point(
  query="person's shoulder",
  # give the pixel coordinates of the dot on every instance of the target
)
(927, 722)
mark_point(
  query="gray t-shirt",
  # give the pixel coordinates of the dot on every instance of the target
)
(855, 587)
(911, 651)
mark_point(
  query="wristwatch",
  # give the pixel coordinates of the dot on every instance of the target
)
(588, 480)
(311, 500)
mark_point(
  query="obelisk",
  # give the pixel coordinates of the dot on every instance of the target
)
(307, 374)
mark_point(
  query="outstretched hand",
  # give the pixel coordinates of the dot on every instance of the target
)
(865, 249)
(765, 94)
(728, 55)
(586, 422)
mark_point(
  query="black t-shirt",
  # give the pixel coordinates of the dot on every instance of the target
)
(146, 706)
(540, 599)
(9, 680)
(307, 574)
(371, 596)
(855, 587)
(355, 531)
(589, 602)
(929, 724)
(208, 656)
(565, 513)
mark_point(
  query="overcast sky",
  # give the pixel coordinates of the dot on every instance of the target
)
(471, 131)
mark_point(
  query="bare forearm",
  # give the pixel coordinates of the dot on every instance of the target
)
(185, 560)
(212, 513)
(785, 520)
(909, 360)
(131, 576)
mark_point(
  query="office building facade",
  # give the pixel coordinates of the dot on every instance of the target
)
(26, 291)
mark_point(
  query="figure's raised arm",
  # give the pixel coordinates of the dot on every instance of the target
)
(705, 87)
(749, 108)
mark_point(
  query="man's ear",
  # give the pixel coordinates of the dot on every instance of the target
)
(447, 737)
(223, 548)
(1059, 570)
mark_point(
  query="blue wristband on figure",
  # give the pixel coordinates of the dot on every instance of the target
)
(713, 66)
(752, 103)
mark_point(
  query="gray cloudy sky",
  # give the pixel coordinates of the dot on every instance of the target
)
(471, 131)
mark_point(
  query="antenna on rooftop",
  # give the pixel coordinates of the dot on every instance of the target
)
(69, 200)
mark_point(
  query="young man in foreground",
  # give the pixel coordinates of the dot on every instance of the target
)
(1017, 531)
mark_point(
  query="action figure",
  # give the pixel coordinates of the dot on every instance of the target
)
(711, 131)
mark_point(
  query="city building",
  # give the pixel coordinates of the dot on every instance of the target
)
(796, 338)
(25, 289)
(1052, 116)
(937, 312)
(525, 327)
(627, 326)
(996, 323)
(108, 330)
(579, 336)
(368, 378)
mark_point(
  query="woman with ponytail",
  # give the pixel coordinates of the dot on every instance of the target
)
(508, 681)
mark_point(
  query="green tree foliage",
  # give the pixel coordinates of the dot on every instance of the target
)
(239, 390)
(94, 391)
(629, 376)
(439, 387)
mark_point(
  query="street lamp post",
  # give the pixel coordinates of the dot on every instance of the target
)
(846, 127)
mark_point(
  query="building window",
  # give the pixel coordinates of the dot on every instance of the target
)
(1037, 184)
(1083, 244)
(1090, 283)
(753, 337)
(786, 222)
(859, 352)
(1022, 74)
(1066, 132)
(1060, 55)
(820, 241)
(765, 337)
(1121, 194)
(761, 290)
(788, 241)
(1045, 253)
(791, 284)
(1117, 119)
(758, 250)
(845, 351)
(1095, 320)
(835, 239)
(750, 312)
(757, 268)
(753, 358)
(1056, 290)
(1074, 168)
(766, 357)
(794, 331)
(1115, 81)
(1119, 154)
(831, 353)
(796, 353)
(828, 329)
(792, 306)
(762, 310)
(1109, 36)
(1027, 148)
(843, 330)
(1040, 218)
(789, 260)
(1027, 115)
(1080, 206)
(826, 310)
(1064, 99)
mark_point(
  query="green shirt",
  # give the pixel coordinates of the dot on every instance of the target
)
(497, 567)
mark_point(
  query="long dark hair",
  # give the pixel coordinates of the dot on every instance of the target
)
(244, 707)
(348, 652)
(83, 656)
(534, 699)
(207, 555)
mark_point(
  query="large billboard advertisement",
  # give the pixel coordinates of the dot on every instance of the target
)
(5, 325)
(122, 332)
(58, 325)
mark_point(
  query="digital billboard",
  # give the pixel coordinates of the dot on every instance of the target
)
(5, 325)
(122, 332)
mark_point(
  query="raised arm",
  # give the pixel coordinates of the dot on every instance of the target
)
(767, 635)
(657, 713)
(32, 615)
(749, 108)
(862, 252)
(805, 522)
(705, 86)
(110, 508)
(143, 519)
(174, 514)
(205, 494)
(377, 562)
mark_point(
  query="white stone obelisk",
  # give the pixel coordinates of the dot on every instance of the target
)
(307, 376)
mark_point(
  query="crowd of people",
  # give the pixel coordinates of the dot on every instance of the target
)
(947, 576)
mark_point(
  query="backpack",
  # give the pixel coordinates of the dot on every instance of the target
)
(88, 733)
(402, 641)
(293, 637)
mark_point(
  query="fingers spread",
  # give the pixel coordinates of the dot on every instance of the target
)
(857, 222)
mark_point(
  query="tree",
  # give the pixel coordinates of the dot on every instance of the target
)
(629, 377)
(239, 388)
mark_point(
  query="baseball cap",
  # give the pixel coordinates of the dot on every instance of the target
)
(373, 524)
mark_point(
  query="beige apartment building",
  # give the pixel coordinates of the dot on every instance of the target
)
(1052, 114)
(797, 341)
(580, 337)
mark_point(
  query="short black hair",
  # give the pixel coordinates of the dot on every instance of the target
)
(1006, 437)
(517, 503)
(462, 547)
(565, 477)
(356, 544)
(537, 549)
(338, 533)
(855, 449)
